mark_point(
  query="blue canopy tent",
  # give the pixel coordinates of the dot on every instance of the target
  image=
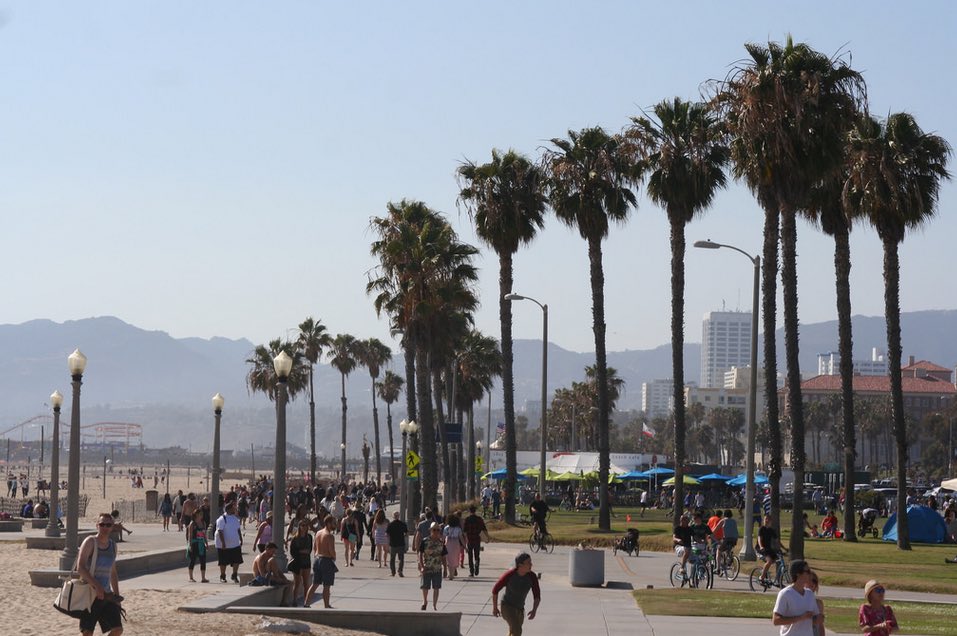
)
(657, 471)
(714, 477)
(742, 479)
(500, 474)
(925, 525)
(633, 475)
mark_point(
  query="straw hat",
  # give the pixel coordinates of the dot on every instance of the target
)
(869, 587)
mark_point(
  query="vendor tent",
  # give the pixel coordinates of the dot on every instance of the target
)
(925, 525)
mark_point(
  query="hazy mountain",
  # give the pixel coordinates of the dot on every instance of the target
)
(165, 383)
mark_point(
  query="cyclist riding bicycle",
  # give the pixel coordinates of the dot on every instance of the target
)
(688, 538)
(538, 510)
(729, 529)
(769, 545)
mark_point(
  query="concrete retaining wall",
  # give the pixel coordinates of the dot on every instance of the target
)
(388, 623)
(127, 566)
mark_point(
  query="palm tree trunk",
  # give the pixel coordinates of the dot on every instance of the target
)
(388, 420)
(415, 502)
(677, 358)
(460, 451)
(769, 308)
(446, 472)
(842, 275)
(345, 408)
(470, 464)
(795, 400)
(892, 313)
(312, 428)
(375, 432)
(601, 378)
(508, 386)
(429, 468)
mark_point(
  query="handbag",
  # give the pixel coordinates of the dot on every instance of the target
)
(77, 596)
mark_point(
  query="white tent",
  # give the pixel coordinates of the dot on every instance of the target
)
(950, 484)
(579, 463)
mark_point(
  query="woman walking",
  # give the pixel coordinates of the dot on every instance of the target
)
(300, 562)
(264, 534)
(166, 510)
(454, 543)
(196, 542)
(349, 532)
(380, 537)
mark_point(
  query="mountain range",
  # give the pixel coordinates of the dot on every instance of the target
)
(165, 383)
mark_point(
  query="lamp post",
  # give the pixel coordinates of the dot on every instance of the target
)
(365, 460)
(282, 364)
(105, 462)
(76, 362)
(53, 525)
(475, 474)
(544, 424)
(413, 428)
(218, 402)
(404, 429)
(747, 550)
(342, 472)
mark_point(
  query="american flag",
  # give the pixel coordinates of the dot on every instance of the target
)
(500, 428)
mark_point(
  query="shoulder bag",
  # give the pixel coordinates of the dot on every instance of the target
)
(77, 596)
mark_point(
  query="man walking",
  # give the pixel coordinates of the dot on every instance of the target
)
(517, 582)
(398, 532)
(474, 528)
(432, 565)
(229, 542)
(324, 567)
(796, 611)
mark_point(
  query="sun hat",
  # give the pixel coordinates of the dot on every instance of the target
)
(869, 587)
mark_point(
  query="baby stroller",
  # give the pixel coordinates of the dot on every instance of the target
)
(865, 522)
(628, 543)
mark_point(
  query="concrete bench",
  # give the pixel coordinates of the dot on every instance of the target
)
(127, 566)
(380, 622)
(39, 524)
(43, 542)
(11, 525)
(236, 596)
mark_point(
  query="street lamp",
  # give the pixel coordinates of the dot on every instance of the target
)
(544, 425)
(53, 524)
(365, 460)
(747, 550)
(76, 362)
(218, 402)
(282, 364)
(404, 429)
(475, 475)
(413, 499)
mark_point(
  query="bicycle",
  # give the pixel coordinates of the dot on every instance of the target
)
(541, 541)
(728, 566)
(782, 576)
(700, 572)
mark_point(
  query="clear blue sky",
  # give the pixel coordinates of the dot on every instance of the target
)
(210, 168)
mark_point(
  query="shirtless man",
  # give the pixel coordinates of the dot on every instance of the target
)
(267, 572)
(189, 508)
(324, 567)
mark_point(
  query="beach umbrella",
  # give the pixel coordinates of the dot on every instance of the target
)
(634, 475)
(657, 471)
(687, 479)
(713, 477)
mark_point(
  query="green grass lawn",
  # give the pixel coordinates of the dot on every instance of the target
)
(841, 614)
(838, 563)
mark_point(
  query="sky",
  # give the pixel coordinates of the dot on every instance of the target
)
(210, 169)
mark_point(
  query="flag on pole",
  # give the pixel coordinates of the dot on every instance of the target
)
(647, 432)
(500, 428)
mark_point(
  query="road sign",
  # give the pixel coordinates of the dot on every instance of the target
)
(412, 461)
(478, 464)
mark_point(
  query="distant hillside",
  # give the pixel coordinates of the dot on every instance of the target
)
(165, 383)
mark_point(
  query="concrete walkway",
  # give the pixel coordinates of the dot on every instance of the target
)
(609, 610)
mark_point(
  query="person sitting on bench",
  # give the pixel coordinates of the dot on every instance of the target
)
(266, 572)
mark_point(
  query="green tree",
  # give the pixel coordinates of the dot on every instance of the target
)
(313, 340)
(389, 389)
(588, 177)
(261, 377)
(895, 171)
(506, 200)
(373, 354)
(342, 357)
(682, 152)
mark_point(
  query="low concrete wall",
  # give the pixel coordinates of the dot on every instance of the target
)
(235, 596)
(11, 525)
(43, 542)
(127, 566)
(388, 623)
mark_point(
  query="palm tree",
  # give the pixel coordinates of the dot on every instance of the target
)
(895, 170)
(423, 272)
(788, 109)
(506, 200)
(261, 377)
(313, 339)
(342, 357)
(588, 175)
(479, 362)
(684, 156)
(389, 389)
(373, 354)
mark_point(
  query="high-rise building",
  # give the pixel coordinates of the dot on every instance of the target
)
(830, 364)
(725, 343)
(657, 397)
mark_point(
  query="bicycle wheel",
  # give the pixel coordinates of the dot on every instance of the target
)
(677, 579)
(706, 577)
(548, 543)
(785, 578)
(533, 543)
(755, 582)
(732, 568)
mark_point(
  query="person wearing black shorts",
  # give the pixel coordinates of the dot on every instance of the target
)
(229, 542)
(768, 545)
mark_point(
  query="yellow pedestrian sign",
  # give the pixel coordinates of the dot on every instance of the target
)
(478, 464)
(412, 461)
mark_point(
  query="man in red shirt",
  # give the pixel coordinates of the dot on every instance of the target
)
(474, 527)
(517, 583)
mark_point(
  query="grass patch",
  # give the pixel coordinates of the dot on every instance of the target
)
(838, 563)
(841, 614)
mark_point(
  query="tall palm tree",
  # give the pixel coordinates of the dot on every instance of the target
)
(506, 200)
(788, 109)
(313, 340)
(424, 271)
(389, 389)
(373, 354)
(683, 154)
(342, 357)
(261, 377)
(588, 177)
(895, 171)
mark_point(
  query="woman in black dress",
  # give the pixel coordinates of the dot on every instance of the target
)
(300, 563)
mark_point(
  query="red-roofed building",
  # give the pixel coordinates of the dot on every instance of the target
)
(928, 388)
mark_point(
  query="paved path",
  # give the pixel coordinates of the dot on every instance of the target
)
(608, 611)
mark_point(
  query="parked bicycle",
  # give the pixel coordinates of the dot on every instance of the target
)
(781, 579)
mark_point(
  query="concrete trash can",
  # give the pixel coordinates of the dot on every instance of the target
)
(586, 568)
(152, 500)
